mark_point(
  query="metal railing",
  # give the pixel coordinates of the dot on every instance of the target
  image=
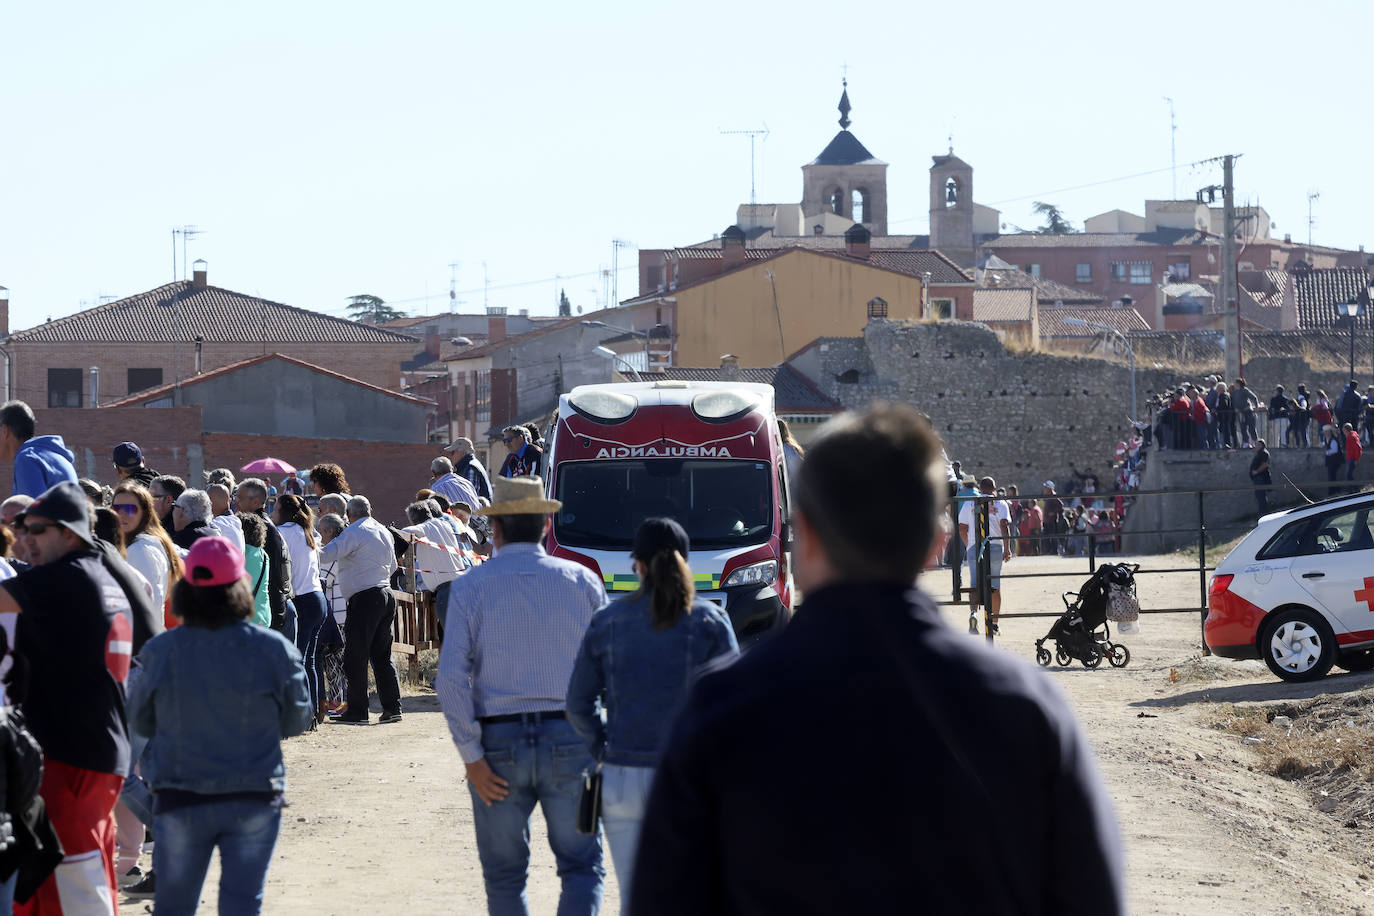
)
(1203, 536)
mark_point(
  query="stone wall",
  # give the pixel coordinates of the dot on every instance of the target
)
(1019, 417)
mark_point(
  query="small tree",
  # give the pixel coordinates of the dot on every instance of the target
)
(564, 306)
(1056, 223)
(372, 309)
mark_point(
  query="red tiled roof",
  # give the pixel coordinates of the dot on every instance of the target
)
(183, 311)
(1318, 292)
(1002, 304)
(1121, 319)
(153, 394)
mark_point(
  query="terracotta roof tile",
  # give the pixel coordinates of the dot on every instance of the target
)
(1318, 292)
(181, 311)
(1002, 304)
(1121, 319)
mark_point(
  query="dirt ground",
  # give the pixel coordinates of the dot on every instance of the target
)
(380, 821)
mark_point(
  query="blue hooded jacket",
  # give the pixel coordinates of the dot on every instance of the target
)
(40, 463)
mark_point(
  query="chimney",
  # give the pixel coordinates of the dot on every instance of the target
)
(200, 343)
(1288, 238)
(496, 323)
(4, 312)
(729, 368)
(432, 344)
(857, 241)
(198, 273)
(95, 386)
(732, 247)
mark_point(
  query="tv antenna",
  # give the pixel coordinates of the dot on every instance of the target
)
(453, 300)
(186, 233)
(1312, 196)
(752, 135)
(1173, 148)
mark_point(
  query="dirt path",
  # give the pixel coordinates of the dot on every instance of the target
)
(380, 821)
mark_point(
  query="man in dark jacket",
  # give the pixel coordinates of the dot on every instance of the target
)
(466, 466)
(973, 789)
(129, 464)
(191, 514)
(1349, 406)
(252, 498)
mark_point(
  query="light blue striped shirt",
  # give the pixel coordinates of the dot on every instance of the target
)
(514, 626)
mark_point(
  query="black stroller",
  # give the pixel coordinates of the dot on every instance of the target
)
(1081, 632)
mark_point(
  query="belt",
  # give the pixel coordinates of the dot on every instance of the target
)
(531, 717)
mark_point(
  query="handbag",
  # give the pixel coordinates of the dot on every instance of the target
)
(589, 806)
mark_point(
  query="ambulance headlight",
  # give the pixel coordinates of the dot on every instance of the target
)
(722, 405)
(604, 406)
(757, 574)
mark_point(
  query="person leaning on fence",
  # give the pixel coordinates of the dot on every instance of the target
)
(744, 815)
(514, 627)
(439, 557)
(637, 659)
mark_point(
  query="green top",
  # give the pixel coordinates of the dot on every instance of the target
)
(257, 564)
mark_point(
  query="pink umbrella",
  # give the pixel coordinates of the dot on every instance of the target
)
(268, 466)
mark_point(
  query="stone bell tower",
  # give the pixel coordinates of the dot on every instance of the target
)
(847, 179)
(951, 208)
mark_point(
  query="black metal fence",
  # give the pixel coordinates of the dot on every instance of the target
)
(1224, 527)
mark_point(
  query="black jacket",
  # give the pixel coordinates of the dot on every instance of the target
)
(192, 533)
(279, 574)
(144, 475)
(869, 759)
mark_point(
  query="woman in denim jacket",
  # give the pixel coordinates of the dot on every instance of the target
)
(637, 660)
(216, 697)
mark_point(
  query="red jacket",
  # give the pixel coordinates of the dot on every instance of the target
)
(1353, 450)
(1199, 411)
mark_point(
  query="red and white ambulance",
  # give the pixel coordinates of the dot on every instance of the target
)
(707, 454)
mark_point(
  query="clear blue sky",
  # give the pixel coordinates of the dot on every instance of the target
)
(336, 148)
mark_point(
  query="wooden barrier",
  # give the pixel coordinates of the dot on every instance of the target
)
(415, 628)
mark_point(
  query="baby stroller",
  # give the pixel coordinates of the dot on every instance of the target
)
(1081, 632)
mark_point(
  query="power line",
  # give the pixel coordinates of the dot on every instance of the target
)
(554, 279)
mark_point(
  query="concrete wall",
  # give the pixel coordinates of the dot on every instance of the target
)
(1020, 418)
(1226, 515)
(277, 398)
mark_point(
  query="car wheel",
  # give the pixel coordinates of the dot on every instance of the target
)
(1357, 660)
(1298, 645)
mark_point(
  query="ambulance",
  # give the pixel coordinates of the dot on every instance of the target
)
(707, 454)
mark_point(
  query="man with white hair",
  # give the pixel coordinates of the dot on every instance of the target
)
(252, 497)
(448, 484)
(466, 466)
(366, 558)
(224, 520)
(191, 518)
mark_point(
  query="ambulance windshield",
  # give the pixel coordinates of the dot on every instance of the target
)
(721, 503)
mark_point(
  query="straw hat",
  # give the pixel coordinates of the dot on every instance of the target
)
(519, 496)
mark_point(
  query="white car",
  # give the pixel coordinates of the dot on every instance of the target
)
(1298, 591)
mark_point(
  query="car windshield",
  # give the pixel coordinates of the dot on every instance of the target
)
(721, 503)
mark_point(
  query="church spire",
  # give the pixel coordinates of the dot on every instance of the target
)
(844, 106)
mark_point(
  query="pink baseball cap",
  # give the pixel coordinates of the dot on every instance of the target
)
(214, 561)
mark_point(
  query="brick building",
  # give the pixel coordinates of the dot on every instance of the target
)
(174, 332)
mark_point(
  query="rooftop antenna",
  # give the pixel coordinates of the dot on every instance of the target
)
(485, 286)
(1173, 148)
(453, 287)
(1312, 196)
(187, 233)
(752, 135)
(616, 245)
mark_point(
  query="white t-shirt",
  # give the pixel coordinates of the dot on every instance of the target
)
(305, 560)
(230, 527)
(147, 555)
(998, 511)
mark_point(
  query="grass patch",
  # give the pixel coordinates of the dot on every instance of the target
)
(1326, 744)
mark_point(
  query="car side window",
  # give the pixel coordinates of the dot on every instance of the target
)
(1337, 532)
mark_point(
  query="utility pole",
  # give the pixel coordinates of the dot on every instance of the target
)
(1173, 147)
(1312, 197)
(1229, 295)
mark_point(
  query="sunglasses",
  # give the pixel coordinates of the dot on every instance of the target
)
(125, 508)
(34, 529)
(508, 440)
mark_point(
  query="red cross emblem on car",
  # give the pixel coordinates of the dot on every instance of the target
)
(1366, 594)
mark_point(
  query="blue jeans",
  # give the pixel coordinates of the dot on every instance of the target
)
(245, 833)
(624, 795)
(310, 613)
(544, 762)
(135, 795)
(288, 627)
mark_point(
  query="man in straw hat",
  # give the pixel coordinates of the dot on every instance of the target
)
(515, 624)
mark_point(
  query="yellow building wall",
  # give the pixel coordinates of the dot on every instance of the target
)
(817, 296)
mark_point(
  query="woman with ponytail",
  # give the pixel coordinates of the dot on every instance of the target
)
(638, 657)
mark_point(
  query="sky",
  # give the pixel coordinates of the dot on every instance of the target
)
(333, 149)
